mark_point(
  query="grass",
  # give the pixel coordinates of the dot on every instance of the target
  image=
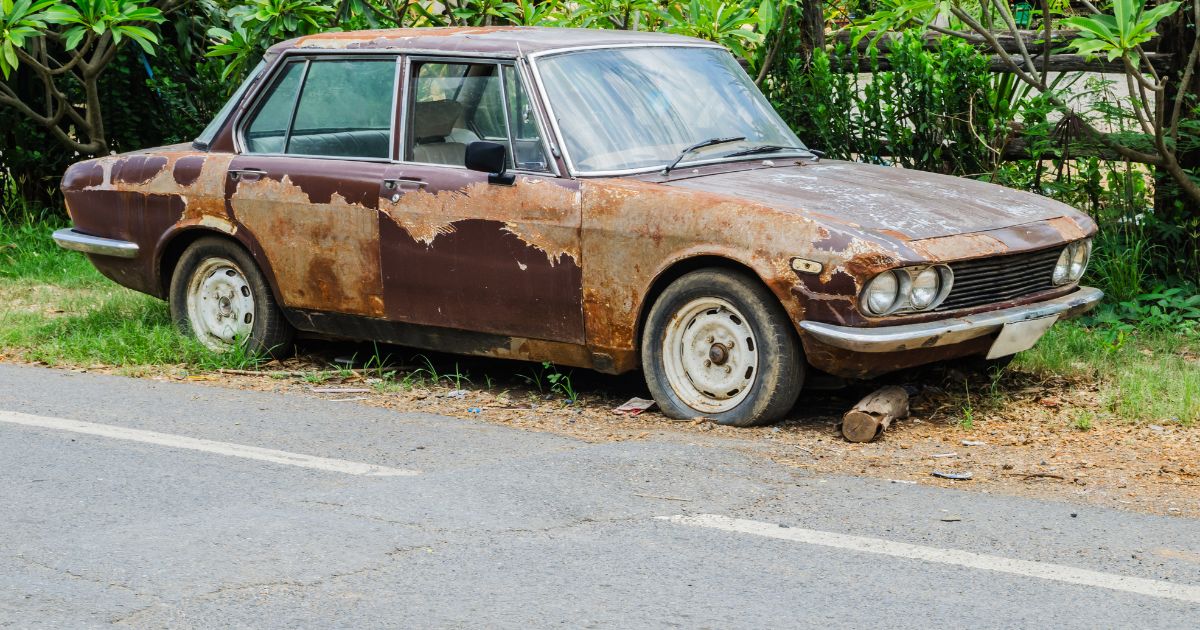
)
(55, 308)
(1148, 376)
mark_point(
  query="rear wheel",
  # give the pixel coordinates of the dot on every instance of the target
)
(718, 345)
(219, 296)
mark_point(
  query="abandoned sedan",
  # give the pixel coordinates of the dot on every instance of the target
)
(600, 199)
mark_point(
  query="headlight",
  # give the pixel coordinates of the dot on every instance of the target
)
(925, 288)
(882, 292)
(1072, 262)
(1079, 260)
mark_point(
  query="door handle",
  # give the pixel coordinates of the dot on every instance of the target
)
(404, 183)
(397, 185)
(246, 174)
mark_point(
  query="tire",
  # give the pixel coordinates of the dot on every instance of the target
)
(219, 297)
(744, 366)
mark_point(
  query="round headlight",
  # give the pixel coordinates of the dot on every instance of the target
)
(1079, 259)
(925, 288)
(1062, 268)
(882, 292)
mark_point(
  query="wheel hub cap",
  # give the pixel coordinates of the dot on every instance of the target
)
(220, 304)
(710, 355)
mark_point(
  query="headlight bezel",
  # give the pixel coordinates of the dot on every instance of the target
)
(906, 280)
(1072, 263)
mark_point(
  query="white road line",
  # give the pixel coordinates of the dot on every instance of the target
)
(206, 446)
(1042, 570)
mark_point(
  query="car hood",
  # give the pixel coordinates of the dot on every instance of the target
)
(896, 202)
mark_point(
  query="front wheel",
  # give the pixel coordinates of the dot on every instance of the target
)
(718, 345)
(219, 296)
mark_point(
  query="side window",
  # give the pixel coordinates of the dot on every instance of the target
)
(455, 104)
(528, 149)
(343, 109)
(268, 128)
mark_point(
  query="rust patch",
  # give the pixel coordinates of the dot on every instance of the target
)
(531, 210)
(959, 246)
(344, 276)
(634, 230)
(203, 195)
(1070, 229)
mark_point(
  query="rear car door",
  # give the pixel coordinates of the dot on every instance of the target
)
(314, 151)
(459, 251)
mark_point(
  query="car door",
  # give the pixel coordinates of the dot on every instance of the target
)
(461, 252)
(307, 180)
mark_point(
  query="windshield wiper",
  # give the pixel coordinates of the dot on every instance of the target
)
(768, 148)
(699, 145)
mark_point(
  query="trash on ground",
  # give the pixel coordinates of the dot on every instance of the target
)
(973, 443)
(943, 455)
(340, 390)
(457, 393)
(634, 406)
(955, 476)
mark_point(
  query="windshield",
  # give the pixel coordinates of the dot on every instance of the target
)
(638, 108)
(206, 137)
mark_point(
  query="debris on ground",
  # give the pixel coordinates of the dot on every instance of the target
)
(634, 406)
(965, 476)
(874, 414)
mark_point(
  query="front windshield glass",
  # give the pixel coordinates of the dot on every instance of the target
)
(206, 137)
(637, 108)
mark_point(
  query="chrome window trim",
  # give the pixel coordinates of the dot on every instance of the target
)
(537, 75)
(271, 73)
(498, 61)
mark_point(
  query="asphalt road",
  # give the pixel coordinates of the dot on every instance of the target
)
(156, 504)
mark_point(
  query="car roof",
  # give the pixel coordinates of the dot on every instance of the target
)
(507, 41)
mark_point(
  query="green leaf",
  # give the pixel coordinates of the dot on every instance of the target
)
(73, 36)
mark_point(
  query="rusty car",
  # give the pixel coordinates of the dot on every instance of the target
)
(599, 199)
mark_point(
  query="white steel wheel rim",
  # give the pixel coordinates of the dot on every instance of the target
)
(220, 304)
(710, 355)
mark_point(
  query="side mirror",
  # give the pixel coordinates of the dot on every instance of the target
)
(489, 157)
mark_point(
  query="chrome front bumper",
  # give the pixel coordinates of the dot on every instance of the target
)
(68, 238)
(945, 332)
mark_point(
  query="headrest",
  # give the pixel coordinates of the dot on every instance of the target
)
(434, 120)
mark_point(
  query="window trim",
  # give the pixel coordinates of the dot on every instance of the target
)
(410, 96)
(246, 116)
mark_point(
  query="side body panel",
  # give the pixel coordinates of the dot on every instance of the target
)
(317, 223)
(462, 253)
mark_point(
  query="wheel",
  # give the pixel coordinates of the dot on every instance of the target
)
(219, 296)
(718, 345)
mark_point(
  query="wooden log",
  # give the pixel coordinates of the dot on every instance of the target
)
(875, 413)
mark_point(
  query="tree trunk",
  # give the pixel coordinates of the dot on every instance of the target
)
(1176, 37)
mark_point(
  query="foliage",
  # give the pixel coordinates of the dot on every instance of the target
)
(935, 110)
(1120, 34)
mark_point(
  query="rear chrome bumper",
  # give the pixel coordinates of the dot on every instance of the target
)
(68, 238)
(947, 332)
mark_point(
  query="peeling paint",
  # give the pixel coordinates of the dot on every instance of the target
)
(324, 255)
(531, 210)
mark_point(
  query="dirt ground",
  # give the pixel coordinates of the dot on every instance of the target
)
(1015, 435)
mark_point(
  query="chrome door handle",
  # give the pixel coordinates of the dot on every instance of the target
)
(247, 174)
(404, 183)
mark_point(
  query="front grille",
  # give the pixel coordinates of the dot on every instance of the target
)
(991, 280)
